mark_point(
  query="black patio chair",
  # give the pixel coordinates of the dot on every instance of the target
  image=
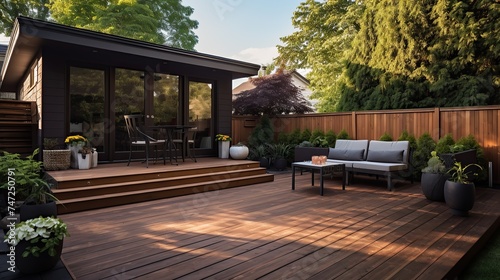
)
(139, 138)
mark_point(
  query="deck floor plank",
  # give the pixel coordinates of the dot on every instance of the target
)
(268, 231)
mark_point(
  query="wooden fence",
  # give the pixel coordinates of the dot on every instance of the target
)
(18, 126)
(482, 122)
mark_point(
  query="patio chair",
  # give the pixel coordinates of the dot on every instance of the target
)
(139, 138)
(187, 139)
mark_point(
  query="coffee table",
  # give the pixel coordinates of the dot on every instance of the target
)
(323, 168)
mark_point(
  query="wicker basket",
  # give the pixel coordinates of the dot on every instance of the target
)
(56, 159)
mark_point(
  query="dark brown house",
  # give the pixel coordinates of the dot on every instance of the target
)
(83, 82)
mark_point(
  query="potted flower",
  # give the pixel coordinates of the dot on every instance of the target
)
(223, 141)
(24, 176)
(433, 178)
(459, 192)
(75, 143)
(238, 151)
(37, 243)
(55, 158)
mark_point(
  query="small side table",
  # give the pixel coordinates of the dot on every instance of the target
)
(323, 168)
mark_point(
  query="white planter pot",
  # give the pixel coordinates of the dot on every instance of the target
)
(238, 152)
(223, 149)
(84, 163)
(74, 154)
(95, 158)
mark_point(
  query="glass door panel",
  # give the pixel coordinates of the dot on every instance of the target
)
(200, 113)
(129, 99)
(87, 89)
(166, 99)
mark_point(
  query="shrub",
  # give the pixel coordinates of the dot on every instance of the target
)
(444, 144)
(425, 145)
(315, 134)
(331, 138)
(295, 137)
(263, 133)
(343, 134)
(306, 135)
(386, 137)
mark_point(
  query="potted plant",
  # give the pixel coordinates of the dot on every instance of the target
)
(260, 153)
(433, 178)
(85, 157)
(55, 158)
(223, 141)
(38, 243)
(75, 143)
(279, 155)
(238, 151)
(459, 192)
(26, 178)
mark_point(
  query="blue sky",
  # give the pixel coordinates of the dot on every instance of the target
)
(247, 30)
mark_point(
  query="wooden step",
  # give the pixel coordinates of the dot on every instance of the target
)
(160, 181)
(126, 174)
(117, 183)
(120, 198)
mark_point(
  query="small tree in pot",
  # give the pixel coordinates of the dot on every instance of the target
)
(433, 178)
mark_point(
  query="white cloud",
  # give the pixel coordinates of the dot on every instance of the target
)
(257, 55)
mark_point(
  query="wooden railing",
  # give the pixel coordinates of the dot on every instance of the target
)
(481, 122)
(18, 126)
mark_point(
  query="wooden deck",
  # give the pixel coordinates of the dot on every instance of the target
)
(268, 231)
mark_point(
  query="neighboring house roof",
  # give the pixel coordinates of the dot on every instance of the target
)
(29, 35)
(298, 80)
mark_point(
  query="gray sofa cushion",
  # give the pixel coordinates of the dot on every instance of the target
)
(385, 156)
(346, 154)
(344, 144)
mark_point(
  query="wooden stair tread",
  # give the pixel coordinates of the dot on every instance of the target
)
(113, 195)
(162, 179)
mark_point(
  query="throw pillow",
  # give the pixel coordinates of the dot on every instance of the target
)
(339, 154)
(385, 156)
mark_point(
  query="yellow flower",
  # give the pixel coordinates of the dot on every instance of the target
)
(75, 139)
(222, 137)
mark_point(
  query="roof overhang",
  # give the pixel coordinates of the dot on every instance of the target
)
(29, 36)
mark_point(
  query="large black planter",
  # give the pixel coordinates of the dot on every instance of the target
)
(433, 185)
(29, 211)
(32, 264)
(459, 197)
(280, 164)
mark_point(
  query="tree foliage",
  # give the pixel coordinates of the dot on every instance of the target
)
(9, 10)
(156, 21)
(273, 95)
(398, 54)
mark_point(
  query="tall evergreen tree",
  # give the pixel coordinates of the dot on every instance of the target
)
(407, 54)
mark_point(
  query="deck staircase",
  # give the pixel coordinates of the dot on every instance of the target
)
(112, 187)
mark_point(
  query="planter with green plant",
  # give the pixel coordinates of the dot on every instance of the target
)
(279, 155)
(459, 192)
(55, 158)
(37, 243)
(260, 153)
(433, 178)
(25, 177)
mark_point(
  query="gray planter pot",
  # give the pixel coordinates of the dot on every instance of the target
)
(28, 211)
(433, 185)
(459, 197)
(280, 164)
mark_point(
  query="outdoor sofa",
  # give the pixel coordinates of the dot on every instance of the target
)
(386, 158)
